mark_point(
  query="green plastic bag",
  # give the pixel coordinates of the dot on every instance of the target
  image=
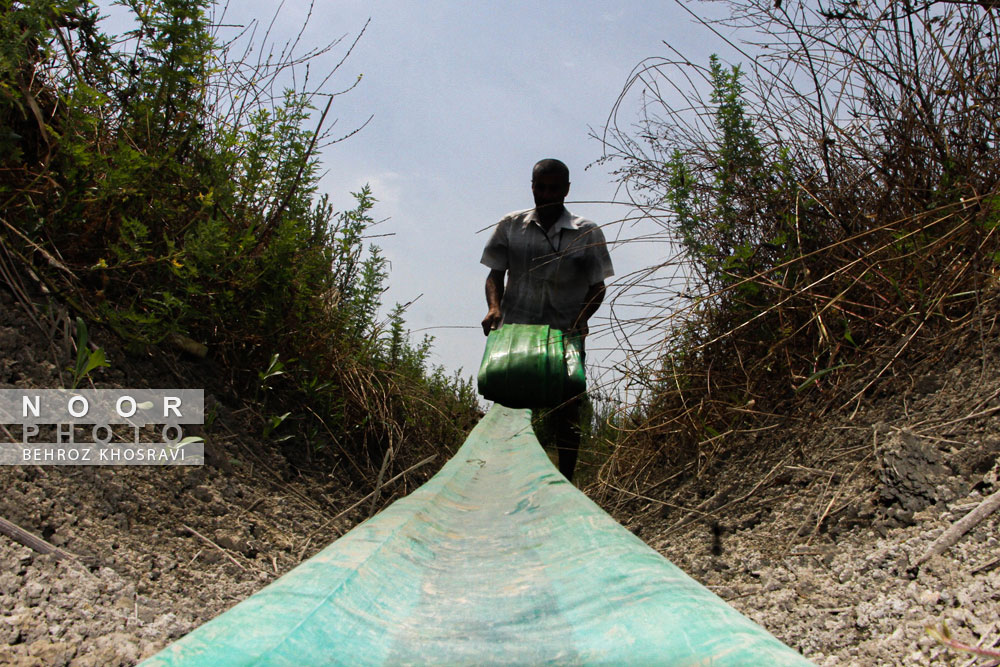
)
(531, 366)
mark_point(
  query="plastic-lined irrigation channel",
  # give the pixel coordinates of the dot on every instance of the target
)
(496, 560)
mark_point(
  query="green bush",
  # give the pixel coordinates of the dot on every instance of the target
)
(182, 201)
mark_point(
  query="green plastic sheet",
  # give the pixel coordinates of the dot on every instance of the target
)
(496, 560)
(531, 365)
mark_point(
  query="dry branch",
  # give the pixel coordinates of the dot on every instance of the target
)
(961, 527)
(224, 552)
(21, 536)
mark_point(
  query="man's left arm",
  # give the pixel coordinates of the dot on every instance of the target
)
(599, 269)
(591, 302)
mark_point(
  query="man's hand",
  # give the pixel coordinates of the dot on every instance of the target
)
(491, 321)
(494, 297)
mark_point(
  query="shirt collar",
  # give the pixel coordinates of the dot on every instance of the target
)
(566, 221)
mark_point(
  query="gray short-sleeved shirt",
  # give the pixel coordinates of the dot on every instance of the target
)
(548, 274)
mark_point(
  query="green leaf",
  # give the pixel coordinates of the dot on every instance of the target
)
(95, 360)
(812, 379)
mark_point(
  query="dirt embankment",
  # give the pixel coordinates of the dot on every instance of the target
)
(813, 531)
(163, 549)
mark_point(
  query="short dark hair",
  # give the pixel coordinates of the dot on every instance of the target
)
(551, 166)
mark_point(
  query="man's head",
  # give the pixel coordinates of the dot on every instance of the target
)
(550, 184)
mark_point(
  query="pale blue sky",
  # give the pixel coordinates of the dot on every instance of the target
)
(466, 96)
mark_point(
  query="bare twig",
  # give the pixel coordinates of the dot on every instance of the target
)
(369, 495)
(944, 636)
(960, 528)
(985, 567)
(21, 536)
(224, 551)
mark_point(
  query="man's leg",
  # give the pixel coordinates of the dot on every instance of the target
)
(568, 427)
(565, 421)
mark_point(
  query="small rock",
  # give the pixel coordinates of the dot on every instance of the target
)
(9, 583)
(34, 592)
(9, 633)
(146, 614)
(55, 654)
(773, 585)
(218, 509)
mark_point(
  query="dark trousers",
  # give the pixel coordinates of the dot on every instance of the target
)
(565, 421)
(563, 425)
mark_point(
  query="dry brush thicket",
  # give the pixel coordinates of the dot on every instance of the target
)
(833, 203)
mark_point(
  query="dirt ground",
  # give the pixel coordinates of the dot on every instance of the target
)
(813, 532)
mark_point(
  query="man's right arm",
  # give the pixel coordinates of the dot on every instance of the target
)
(494, 296)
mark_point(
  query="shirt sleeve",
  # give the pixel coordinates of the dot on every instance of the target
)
(495, 252)
(599, 267)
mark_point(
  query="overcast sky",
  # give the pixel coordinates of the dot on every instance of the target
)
(466, 96)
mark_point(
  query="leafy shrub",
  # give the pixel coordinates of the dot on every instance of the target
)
(178, 199)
